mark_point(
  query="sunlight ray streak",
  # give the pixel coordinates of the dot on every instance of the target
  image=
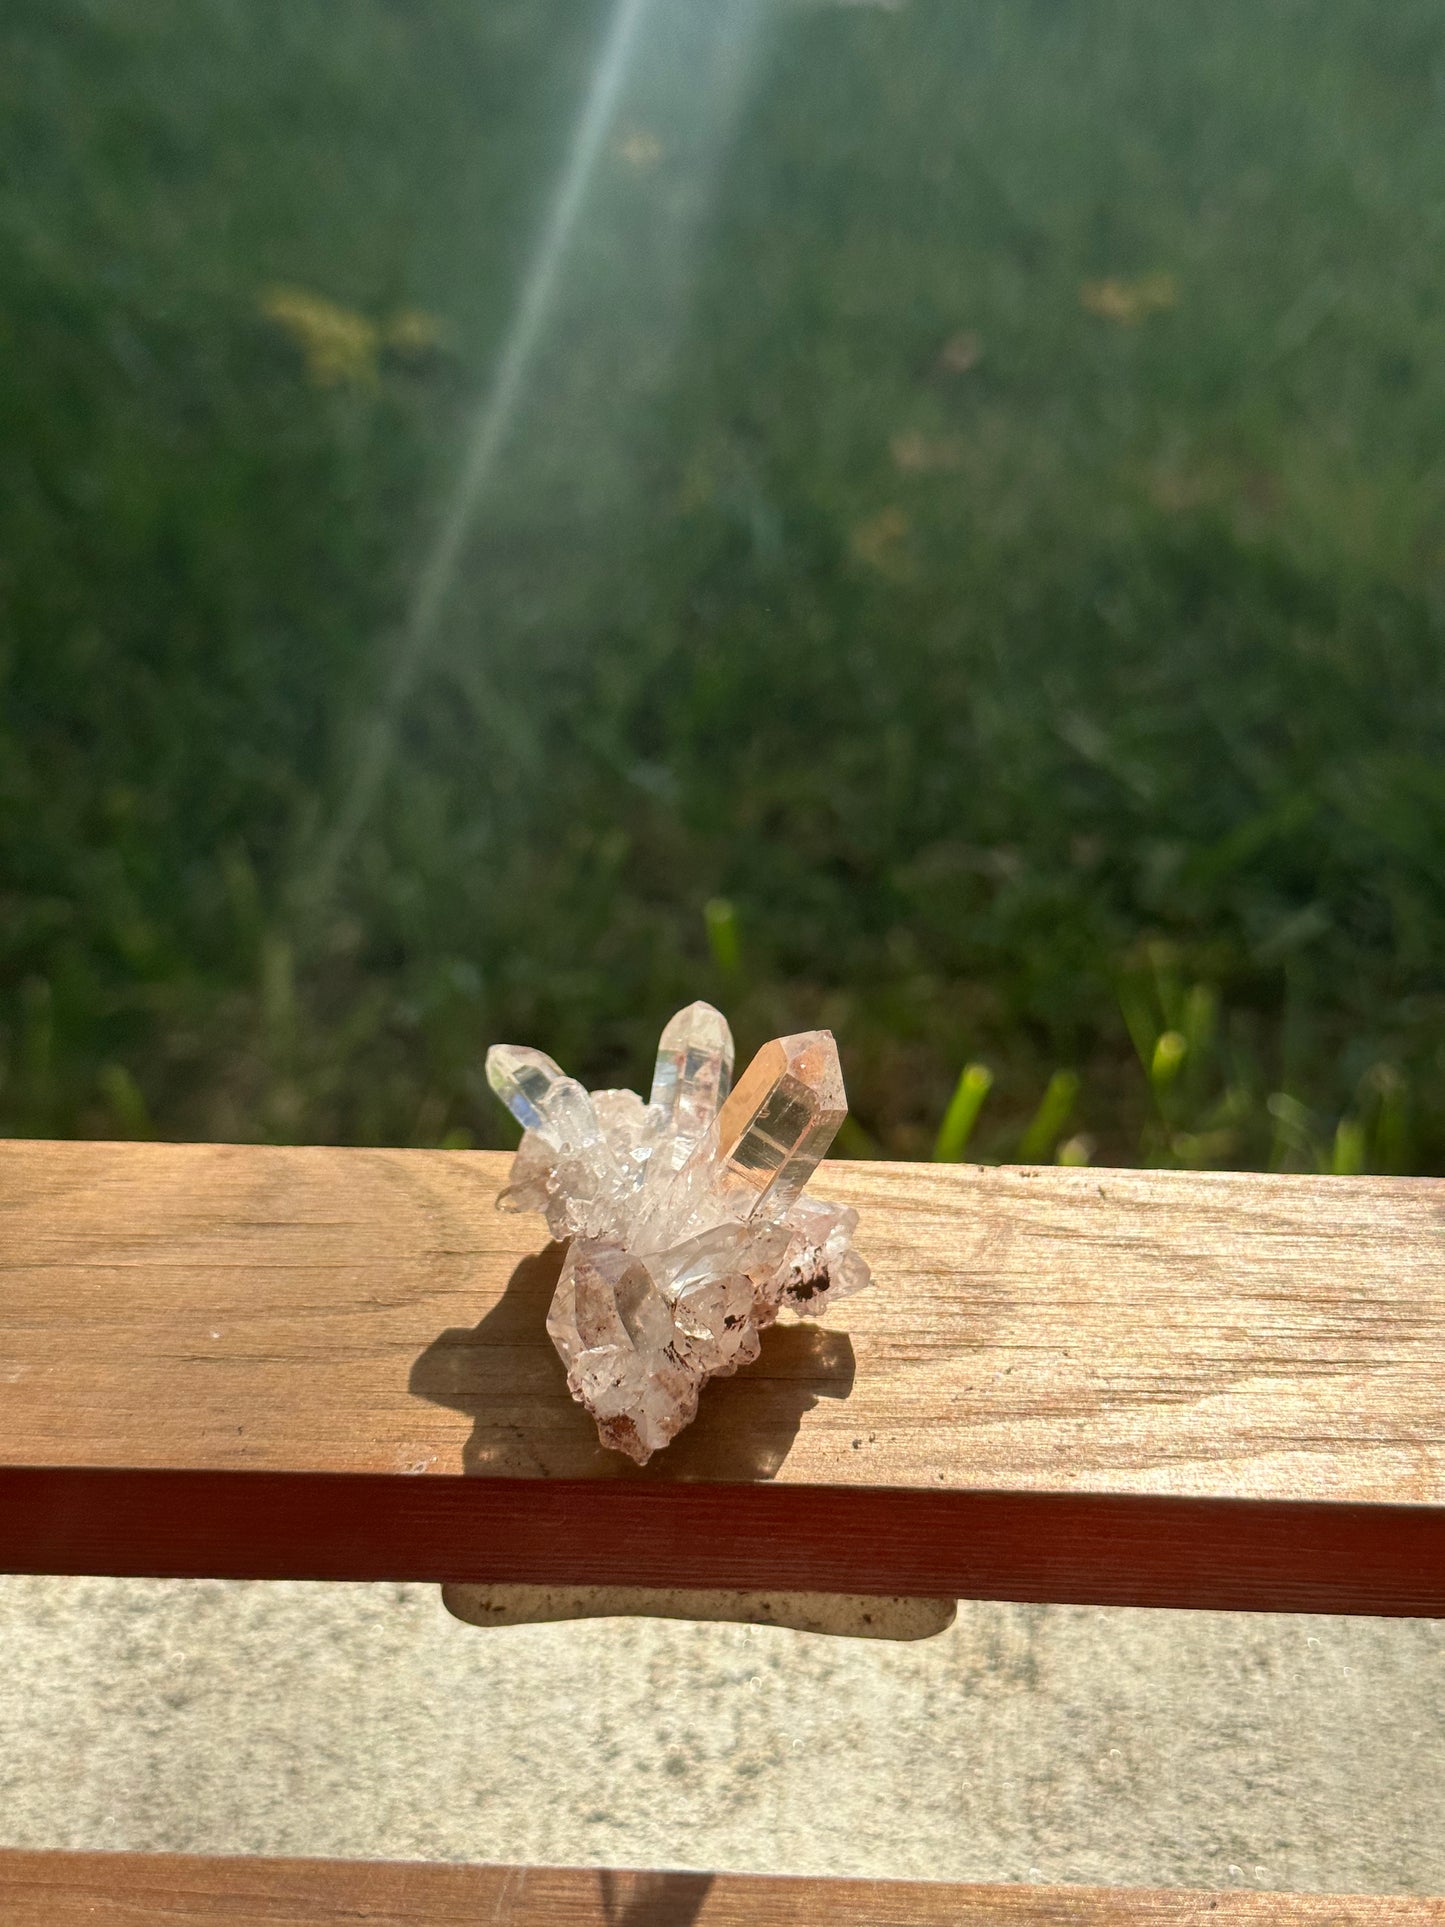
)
(494, 417)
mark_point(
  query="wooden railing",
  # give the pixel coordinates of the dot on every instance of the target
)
(1069, 1385)
(98, 1889)
(1128, 1387)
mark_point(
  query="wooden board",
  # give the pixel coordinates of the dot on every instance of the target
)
(116, 1890)
(1093, 1385)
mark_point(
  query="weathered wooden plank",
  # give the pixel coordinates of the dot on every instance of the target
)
(1151, 1387)
(109, 1890)
(321, 1310)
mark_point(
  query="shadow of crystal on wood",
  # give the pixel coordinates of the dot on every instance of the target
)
(652, 1899)
(504, 1375)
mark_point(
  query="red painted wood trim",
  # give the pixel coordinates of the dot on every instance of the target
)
(1085, 1549)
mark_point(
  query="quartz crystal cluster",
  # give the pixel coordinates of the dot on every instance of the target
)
(687, 1228)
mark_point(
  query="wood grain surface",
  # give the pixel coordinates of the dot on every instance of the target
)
(123, 1890)
(1134, 1386)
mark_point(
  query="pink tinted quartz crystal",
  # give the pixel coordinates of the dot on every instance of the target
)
(686, 1225)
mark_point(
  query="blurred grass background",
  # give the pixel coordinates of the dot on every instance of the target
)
(970, 570)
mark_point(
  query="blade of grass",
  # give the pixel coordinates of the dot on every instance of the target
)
(124, 1101)
(1347, 1160)
(1390, 1135)
(720, 917)
(853, 1141)
(1138, 1016)
(1046, 1126)
(972, 1088)
(1169, 1053)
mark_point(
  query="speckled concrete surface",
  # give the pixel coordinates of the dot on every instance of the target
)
(1026, 1742)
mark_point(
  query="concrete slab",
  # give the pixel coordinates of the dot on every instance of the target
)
(1024, 1743)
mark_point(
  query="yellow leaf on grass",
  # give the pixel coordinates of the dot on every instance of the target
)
(880, 542)
(1130, 302)
(414, 332)
(338, 344)
(640, 149)
(917, 454)
(960, 353)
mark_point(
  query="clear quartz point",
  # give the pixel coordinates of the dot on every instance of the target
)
(693, 1073)
(775, 1129)
(540, 1096)
(688, 1231)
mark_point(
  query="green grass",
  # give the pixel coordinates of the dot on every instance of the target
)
(1069, 700)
